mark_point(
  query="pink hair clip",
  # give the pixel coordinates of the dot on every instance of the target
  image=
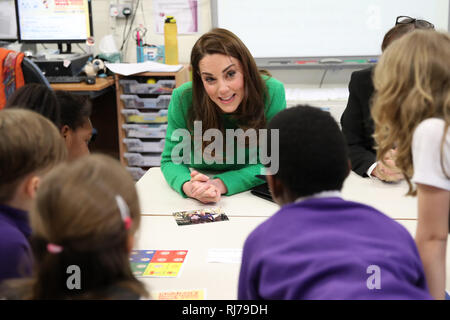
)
(54, 248)
(124, 211)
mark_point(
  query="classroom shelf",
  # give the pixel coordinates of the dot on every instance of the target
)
(137, 145)
(135, 87)
(139, 160)
(135, 102)
(142, 103)
(135, 116)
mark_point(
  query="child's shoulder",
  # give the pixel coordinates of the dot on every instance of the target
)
(315, 211)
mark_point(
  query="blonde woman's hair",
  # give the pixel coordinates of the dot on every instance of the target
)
(412, 83)
(77, 209)
(29, 144)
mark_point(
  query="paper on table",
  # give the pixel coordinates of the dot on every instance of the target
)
(127, 69)
(221, 255)
(194, 294)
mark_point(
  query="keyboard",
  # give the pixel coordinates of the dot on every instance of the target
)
(66, 79)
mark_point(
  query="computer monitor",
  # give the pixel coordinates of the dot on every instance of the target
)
(8, 24)
(54, 21)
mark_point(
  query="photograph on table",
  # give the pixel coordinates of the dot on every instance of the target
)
(184, 218)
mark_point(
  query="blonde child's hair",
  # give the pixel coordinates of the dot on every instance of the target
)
(29, 143)
(77, 209)
(412, 83)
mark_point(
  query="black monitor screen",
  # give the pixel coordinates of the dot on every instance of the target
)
(8, 24)
(54, 21)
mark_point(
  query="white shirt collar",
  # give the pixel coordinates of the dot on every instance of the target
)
(323, 194)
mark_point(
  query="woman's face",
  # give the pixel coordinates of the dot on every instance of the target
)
(223, 80)
(77, 141)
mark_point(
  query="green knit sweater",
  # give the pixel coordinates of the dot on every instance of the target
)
(236, 177)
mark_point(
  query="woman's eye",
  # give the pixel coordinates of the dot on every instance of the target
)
(209, 80)
(231, 74)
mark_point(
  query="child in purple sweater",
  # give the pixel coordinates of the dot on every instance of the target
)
(319, 246)
(30, 145)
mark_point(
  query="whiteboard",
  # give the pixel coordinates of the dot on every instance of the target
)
(320, 28)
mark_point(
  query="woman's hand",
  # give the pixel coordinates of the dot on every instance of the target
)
(202, 188)
(197, 176)
(202, 191)
(388, 172)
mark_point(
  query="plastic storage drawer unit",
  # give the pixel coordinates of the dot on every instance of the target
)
(135, 87)
(135, 116)
(136, 145)
(133, 101)
(139, 160)
(145, 130)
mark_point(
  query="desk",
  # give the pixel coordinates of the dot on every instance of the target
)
(158, 198)
(159, 230)
(389, 198)
(219, 279)
(104, 112)
(83, 88)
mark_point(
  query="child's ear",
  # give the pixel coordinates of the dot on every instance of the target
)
(31, 186)
(130, 243)
(349, 167)
(65, 131)
(275, 187)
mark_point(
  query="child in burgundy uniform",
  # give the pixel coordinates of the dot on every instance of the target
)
(319, 246)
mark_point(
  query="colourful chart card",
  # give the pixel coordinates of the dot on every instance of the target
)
(195, 294)
(157, 263)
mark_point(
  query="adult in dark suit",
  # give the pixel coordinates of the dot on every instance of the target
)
(356, 121)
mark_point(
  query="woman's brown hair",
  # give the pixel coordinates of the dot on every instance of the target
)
(250, 113)
(76, 209)
(412, 83)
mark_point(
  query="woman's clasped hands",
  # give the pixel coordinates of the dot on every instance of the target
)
(204, 189)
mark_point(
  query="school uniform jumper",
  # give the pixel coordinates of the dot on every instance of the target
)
(329, 248)
(15, 251)
(236, 177)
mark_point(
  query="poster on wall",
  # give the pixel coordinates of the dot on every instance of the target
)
(185, 12)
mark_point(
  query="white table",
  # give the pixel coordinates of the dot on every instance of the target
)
(158, 198)
(389, 198)
(159, 230)
(219, 279)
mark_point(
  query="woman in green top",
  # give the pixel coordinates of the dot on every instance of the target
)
(227, 92)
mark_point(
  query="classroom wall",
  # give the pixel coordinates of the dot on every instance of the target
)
(104, 25)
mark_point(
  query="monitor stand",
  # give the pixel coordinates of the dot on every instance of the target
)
(68, 48)
(31, 47)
